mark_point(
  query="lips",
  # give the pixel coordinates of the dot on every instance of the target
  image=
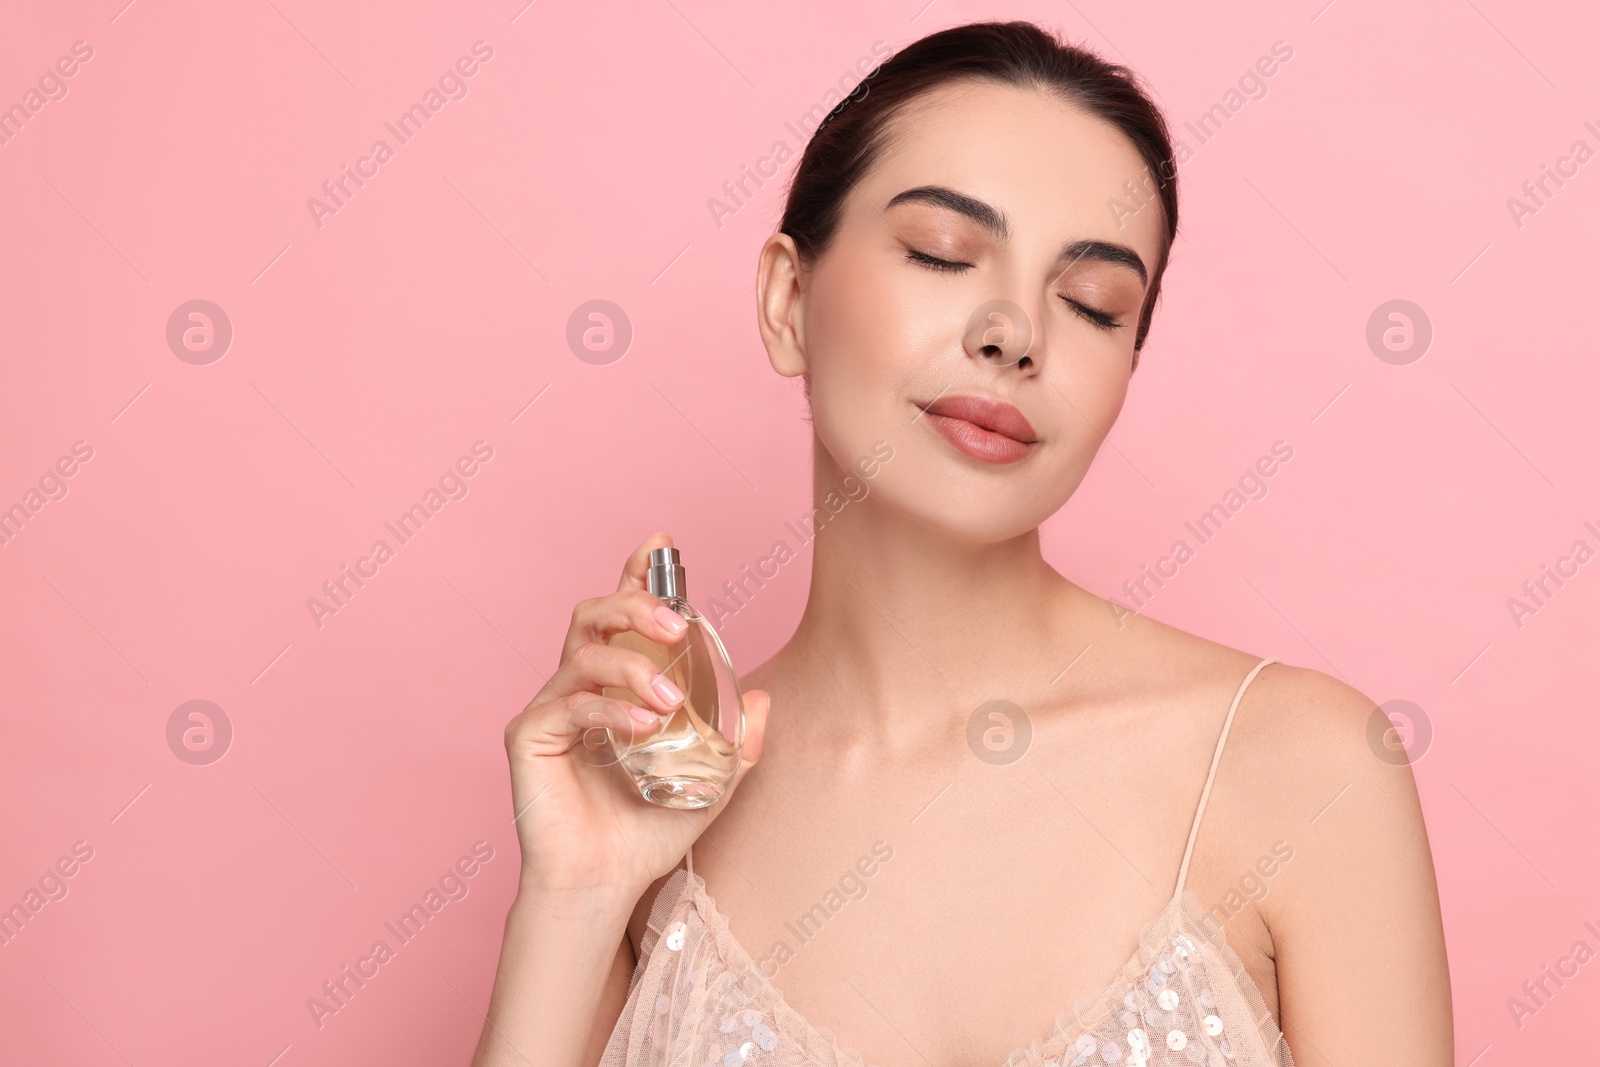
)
(984, 428)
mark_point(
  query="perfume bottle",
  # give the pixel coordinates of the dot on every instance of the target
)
(690, 759)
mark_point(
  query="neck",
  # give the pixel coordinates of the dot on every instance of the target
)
(904, 621)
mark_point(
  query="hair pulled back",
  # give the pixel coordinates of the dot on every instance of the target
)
(850, 139)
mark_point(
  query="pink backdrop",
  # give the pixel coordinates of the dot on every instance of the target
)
(374, 343)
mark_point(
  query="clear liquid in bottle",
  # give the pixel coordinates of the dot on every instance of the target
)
(691, 759)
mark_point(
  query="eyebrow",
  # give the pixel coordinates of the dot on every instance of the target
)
(995, 222)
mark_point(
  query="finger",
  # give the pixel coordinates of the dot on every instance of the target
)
(594, 666)
(554, 727)
(618, 716)
(633, 572)
(600, 618)
(757, 703)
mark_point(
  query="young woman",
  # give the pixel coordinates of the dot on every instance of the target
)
(998, 819)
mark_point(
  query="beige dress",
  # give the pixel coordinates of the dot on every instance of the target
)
(697, 998)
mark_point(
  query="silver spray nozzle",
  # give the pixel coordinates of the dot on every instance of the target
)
(665, 578)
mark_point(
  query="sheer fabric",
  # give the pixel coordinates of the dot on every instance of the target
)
(697, 998)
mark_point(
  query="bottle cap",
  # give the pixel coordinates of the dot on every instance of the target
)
(665, 578)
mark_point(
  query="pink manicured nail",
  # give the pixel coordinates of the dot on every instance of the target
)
(644, 716)
(670, 619)
(667, 691)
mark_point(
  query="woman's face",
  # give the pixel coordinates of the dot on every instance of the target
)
(985, 193)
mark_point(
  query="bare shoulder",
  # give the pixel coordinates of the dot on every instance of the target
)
(1324, 753)
(1300, 738)
(1314, 854)
(1310, 760)
(1312, 769)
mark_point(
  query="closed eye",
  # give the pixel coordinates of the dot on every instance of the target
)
(1099, 318)
(934, 262)
(1094, 315)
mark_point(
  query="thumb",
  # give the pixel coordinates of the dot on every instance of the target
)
(757, 702)
(756, 705)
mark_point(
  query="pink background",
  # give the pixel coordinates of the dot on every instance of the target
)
(370, 353)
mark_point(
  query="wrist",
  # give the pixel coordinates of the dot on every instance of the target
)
(603, 906)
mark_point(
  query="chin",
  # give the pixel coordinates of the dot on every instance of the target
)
(935, 484)
(970, 506)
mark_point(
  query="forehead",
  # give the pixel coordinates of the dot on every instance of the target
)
(1049, 166)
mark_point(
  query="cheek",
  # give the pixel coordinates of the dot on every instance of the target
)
(866, 345)
(1092, 370)
(1089, 387)
(1103, 393)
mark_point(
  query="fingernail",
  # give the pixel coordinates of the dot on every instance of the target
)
(670, 619)
(644, 716)
(668, 692)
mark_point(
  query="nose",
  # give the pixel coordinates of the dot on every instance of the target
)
(1001, 334)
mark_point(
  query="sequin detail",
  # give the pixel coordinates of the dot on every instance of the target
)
(1182, 998)
(1176, 1020)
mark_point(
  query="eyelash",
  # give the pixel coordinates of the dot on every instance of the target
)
(1096, 317)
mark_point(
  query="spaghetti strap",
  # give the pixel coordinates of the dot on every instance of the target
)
(1216, 758)
(696, 988)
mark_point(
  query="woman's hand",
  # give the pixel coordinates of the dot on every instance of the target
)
(583, 827)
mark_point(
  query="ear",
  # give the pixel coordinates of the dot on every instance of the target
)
(780, 305)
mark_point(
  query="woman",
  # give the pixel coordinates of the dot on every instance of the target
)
(998, 819)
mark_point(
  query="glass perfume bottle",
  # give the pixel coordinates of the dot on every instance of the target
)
(691, 758)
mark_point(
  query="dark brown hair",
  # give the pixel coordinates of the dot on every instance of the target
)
(848, 141)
